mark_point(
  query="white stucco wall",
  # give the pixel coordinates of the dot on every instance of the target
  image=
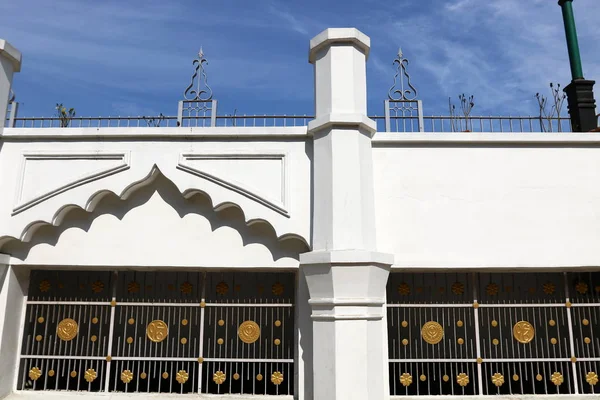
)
(243, 194)
(488, 200)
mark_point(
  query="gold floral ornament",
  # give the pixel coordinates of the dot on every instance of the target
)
(182, 377)
(406, 379)
(498, 379)
(277, 378)
(157, 331)
(97, 287)
(462, 379)
(186, 288)
(249, 332)
(492, 289)
(277, 289)
(126, 376)
(35, 373)
(45, 286)
(432, 332)
(523, 332)
(581, 287)
(549, 288)
(219, 377)
(591, 378)
(133, 287)
(67, 329)
(404, 289)
(222, 288)
(557, 378)
(90, 375)
(458, 288)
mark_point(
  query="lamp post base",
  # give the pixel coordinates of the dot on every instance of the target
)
(582, 105)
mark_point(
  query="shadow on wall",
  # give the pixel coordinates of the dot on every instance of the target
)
(230, 216)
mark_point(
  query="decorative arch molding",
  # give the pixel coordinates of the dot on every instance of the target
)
(192, 174)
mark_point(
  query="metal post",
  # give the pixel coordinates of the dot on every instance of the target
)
(580, 92)
(14, 108)
(213, 113)
(387, 116)
(420, 112)
(180, 113)
(572, 42)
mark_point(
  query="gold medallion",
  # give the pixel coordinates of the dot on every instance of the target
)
(67, 329)
(432, 332)
(249, 332)
(523, 332)
(157, 331)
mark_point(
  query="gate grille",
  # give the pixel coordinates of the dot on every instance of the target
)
(487, 334)
(170, 332)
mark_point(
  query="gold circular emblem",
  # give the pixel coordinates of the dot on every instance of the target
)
(523, 332)
(67, 329)
(432, 332)
(249, 332)
(157, 331)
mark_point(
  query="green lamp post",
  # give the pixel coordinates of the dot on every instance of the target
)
(580, 92)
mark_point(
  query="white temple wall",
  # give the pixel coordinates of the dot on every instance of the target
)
(488, 200)
(266, 177)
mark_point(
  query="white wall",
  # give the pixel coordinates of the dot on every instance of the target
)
(56, 182)
(481, 200)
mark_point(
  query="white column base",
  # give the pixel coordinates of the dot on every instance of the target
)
(13, 286)
(347, 297)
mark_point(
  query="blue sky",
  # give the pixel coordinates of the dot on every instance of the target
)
(133, 57)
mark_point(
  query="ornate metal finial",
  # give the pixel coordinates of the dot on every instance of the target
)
(202, 92)
(406, 91)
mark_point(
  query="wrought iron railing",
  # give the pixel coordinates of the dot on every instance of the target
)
(396, 124)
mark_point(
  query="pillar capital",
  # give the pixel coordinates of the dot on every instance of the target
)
(339, 56)
(10, 62)
(8, 52)
(332, 36)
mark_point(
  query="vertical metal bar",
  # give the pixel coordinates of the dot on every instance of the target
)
(387, 115)
(202, 299)
(14, 107)
(213, 115)
(111, 330)
(420, 114)
(570, 324)
(180, 113)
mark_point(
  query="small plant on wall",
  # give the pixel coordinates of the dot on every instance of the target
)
(466, 106)
(548, 114)
(64, 115)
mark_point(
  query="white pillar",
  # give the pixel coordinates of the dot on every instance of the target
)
(10, 62)
(13, 284)
(346, 276)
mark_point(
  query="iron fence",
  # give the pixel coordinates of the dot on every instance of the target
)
(396, 124)
(159, 332)
(493, 334)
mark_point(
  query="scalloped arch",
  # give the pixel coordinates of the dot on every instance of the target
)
(92, 202)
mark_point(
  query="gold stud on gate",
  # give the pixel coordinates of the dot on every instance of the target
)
(249, 332)
(432, 332)
(157, 331)
(523, 332)
(67, 329)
